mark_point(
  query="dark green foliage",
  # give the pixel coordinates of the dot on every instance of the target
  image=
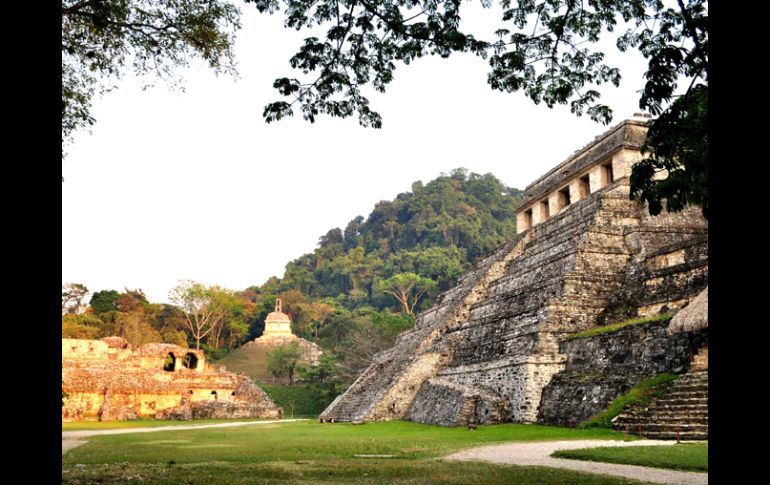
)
(283, 360)
(407, 289)
(436, 232)
(678, 145)
(355, 336)
(546, 48)
(323, 380)
(429, 236)
(104, 301)
(213, 353)
(297, 401)
(104, 40)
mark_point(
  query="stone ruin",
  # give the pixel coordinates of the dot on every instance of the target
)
(107, 380)
(493, 348)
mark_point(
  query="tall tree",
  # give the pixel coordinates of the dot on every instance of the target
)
(546, 48)
(72, 296)
(205, 307)
(104, 301)
(283, 360)
(103, 40)
(407, 289)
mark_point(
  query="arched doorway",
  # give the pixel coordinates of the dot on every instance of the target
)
(170, 363)
(190, 361)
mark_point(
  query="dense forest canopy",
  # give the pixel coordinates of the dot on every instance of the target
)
(353, 294)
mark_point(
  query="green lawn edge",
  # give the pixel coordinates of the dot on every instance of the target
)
(682, 456)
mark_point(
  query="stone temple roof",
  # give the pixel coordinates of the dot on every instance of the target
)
(277, 317)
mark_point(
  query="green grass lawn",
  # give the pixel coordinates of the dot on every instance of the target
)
(143, 423)
(683, 456)
(310, 452)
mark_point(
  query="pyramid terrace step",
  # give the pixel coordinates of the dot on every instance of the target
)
(676, 394)
(691, 387)
(665, 427)
(678, 420)
(681, 436)
(702, 407)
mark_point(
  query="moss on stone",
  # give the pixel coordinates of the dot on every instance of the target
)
(604, 329)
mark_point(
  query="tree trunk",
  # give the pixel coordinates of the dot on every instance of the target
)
(404, 299)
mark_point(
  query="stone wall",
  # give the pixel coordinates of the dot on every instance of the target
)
(106, 380)
(605, 366)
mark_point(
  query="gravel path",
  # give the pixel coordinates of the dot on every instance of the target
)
(69, 439)
(538, 454)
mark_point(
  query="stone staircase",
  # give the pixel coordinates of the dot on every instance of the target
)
(684, 408)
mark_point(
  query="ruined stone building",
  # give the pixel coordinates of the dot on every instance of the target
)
(494, 348)
(108, 380)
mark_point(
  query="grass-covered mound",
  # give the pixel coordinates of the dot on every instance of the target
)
(252, 361)
(683, 456)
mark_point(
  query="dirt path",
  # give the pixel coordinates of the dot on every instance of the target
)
(69, 439)
(538, 454)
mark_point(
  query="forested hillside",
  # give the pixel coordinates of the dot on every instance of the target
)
(353, 294)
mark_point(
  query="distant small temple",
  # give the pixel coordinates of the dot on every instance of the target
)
(277, 324)
(277, 332)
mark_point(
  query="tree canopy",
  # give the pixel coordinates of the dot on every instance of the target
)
(102, 40)
(283, 360)
(434, 231)
(72, 295)
(207, 309)
(546, 48)
(407, 289)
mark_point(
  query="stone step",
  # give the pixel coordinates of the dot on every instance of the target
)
(703, 381)
(683, 436)
(700, 375)
(677, 395)
(662, 407)
(691, 385)
(678, 411)
(651, 415)
(662, 418)
(669, 427)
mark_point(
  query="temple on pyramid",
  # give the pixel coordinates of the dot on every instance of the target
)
(278, 324)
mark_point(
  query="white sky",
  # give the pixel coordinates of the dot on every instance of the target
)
(172, 185)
